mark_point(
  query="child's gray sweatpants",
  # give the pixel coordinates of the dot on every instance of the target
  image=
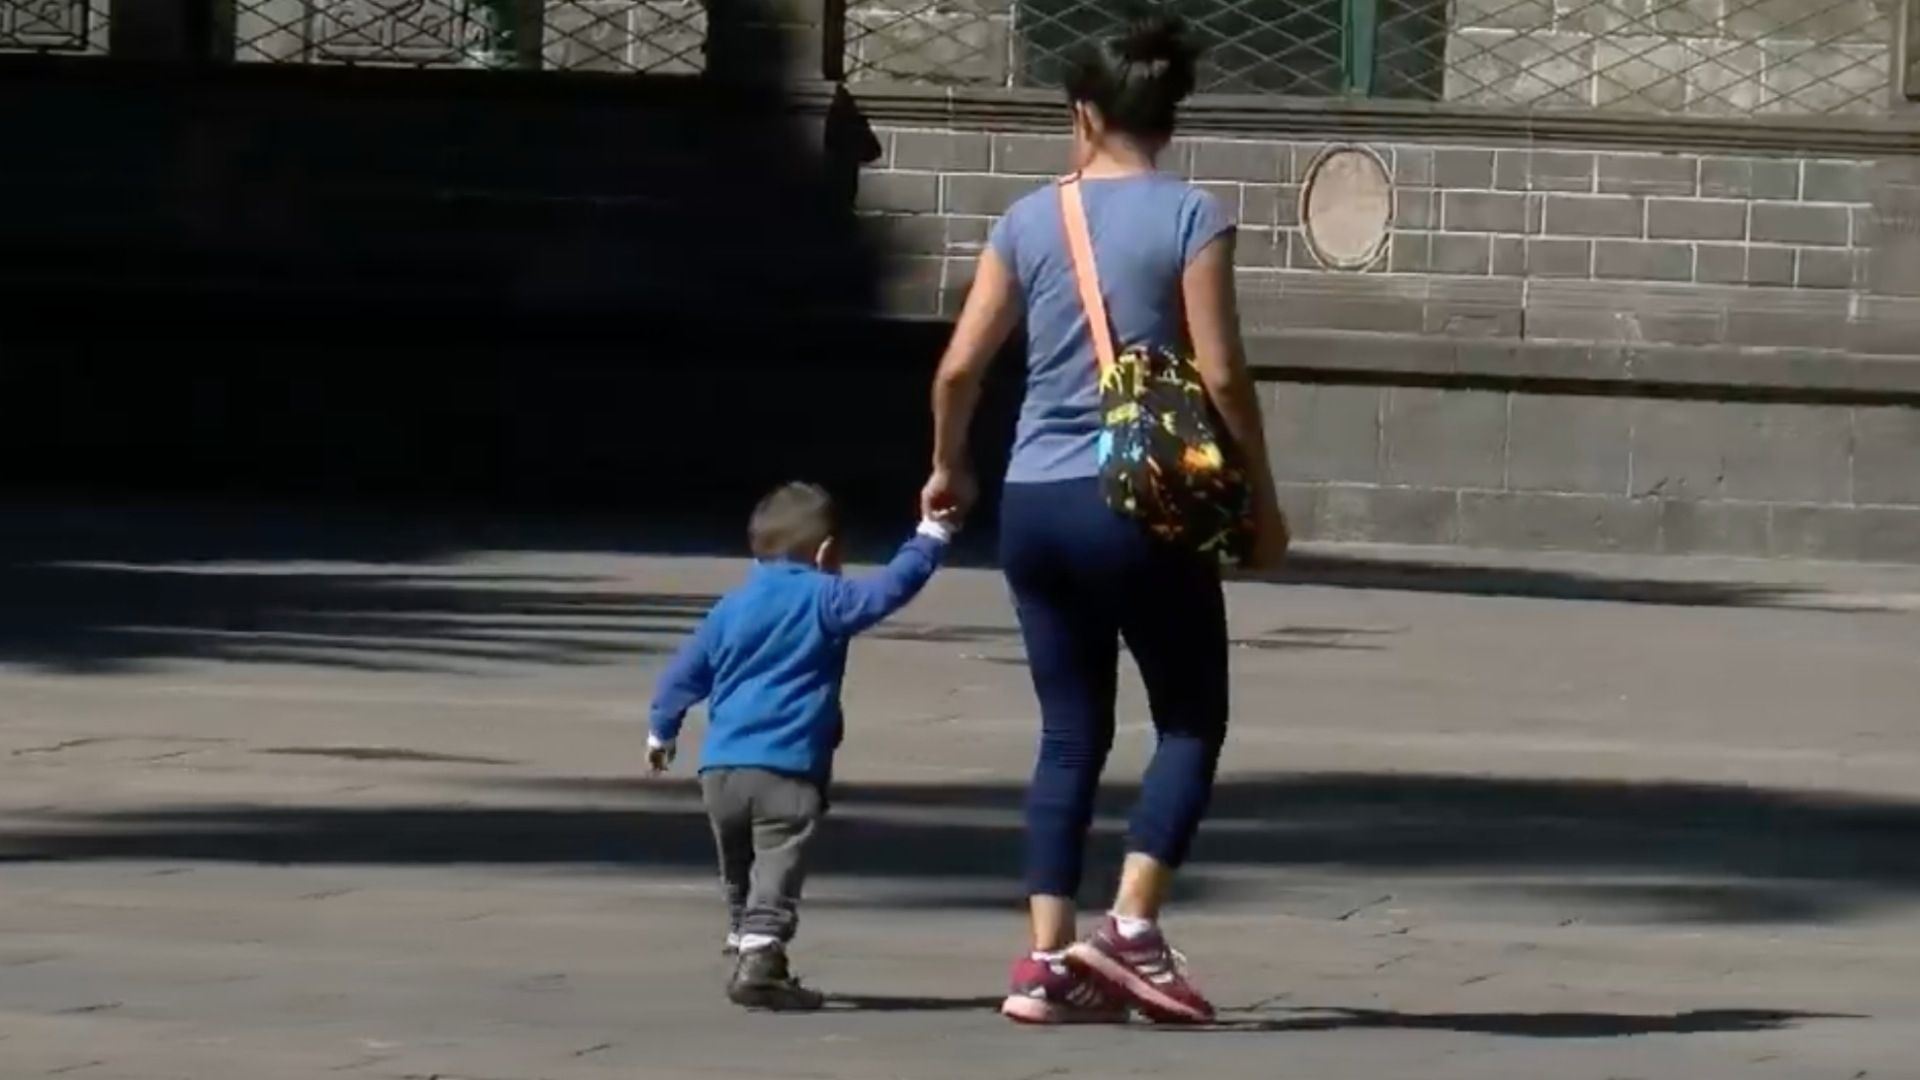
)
(761, 824)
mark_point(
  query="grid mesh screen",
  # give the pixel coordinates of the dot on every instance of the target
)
(634, 36)
(53, 26)
(1711, 57)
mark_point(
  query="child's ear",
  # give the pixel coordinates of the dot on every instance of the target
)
(828, 555)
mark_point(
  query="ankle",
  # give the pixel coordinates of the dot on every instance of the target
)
(1052, 922)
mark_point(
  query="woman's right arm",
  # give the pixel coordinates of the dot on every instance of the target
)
(1213, 323)
(991, 312)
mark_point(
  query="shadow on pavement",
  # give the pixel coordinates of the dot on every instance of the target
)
(1560, 1025)
(104, 590)
(1668, 852)
(1460, 579)
(98, 617)
(886, 1003)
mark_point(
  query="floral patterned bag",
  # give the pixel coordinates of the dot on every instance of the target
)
(1165, 457)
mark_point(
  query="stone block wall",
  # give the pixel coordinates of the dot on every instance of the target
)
(1523, 469)
(1615, 246)
(1559, 347)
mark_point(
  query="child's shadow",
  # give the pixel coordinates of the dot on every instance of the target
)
(884, 1003)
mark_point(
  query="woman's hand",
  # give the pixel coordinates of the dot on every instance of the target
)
(949, 495)
(1271, 538)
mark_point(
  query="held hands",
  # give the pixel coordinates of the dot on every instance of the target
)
(941, 525)
(948, 496)
(660, 755)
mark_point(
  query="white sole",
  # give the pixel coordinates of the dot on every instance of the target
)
(1025, 1010)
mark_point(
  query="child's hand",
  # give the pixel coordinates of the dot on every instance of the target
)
(942, 525)
(660, 755)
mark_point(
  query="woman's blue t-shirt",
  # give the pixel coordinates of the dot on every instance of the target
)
(1146, 230)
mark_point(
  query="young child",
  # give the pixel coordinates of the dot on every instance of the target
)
(769, 660)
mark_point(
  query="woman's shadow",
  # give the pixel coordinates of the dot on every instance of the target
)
(1541, 1025)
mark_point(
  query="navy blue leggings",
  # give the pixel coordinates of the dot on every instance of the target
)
(1084, 578)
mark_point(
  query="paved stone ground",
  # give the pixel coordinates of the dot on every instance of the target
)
(301, 807)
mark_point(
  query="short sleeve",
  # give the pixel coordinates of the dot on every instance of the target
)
(1001, 237)
(1202, 221)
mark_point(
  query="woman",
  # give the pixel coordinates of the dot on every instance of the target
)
(1083, 577)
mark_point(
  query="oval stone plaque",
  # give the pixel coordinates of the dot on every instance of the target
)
(1346, 207)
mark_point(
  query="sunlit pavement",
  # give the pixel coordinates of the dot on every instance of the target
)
(273, 815)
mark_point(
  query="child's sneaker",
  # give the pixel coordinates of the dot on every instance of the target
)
(1145, 971)
(1050, 992)
(761, 980)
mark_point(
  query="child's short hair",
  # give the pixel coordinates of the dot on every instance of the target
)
(791, 522)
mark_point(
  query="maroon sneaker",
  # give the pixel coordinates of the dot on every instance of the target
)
(1145, 971)
(1050, 992)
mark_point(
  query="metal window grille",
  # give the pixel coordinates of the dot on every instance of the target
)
(53, 26)
(1712, 57)
(625, 36)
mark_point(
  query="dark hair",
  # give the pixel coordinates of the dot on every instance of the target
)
(1138, 77)
(792, 522)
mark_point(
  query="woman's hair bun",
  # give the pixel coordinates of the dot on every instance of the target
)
(1157, 37)
(1137, 77)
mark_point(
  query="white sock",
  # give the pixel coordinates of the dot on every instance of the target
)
(756, 942)
(1131, 927)
(1055, 956)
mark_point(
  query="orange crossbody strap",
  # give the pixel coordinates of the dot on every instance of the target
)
(1073, 211)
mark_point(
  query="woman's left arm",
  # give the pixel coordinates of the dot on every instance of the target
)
(1213, 324)
(986, 320)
